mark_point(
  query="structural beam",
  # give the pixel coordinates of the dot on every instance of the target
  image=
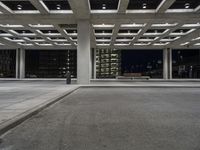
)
(186, 38)
(38, 5)
(84, 52)
(197, 10)
(122, 7)
(164, 5)
(80, 8)
(4, 9)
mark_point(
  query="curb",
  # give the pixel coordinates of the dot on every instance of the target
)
(26, 115)
(135, 86)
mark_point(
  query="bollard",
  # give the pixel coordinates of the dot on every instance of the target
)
(68, 78)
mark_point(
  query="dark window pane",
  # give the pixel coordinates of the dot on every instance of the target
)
(50, 63)
(186, 63)
(7, 63)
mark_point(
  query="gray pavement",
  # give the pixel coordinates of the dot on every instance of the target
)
(114, 119)
(18, 97)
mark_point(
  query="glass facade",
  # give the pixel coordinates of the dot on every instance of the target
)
(51, 63)
(108, 63)
(186, 63)
(142, 62)
(7, 63)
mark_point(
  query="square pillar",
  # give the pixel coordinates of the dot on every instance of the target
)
(165, 64)
(20, 63)
(83, 53)
(94, 63)
(169, 51)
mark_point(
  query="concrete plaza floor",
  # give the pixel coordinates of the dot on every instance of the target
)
(18, 97)
(113, 119)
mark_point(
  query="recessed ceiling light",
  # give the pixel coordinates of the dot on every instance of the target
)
(103, 6)
(187, 5)
(144, 5)
(19, 7)
(58, 7)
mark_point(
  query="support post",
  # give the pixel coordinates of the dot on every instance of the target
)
(20, 63)
(169, 63)
(83, 53)
(165, 64)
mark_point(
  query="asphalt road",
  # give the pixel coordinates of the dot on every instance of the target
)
(113, 119)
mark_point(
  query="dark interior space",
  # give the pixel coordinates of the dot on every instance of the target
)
(7, 63)
(50, 63)
(144, 62)
(186, 63)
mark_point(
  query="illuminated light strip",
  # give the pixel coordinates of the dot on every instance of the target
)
(197, 44)
(103, 40)
(164, 25)
(179, 10)
(57, 40)
(103, 11)
(103, 25)
(34, 40)
(22, 34)
(49, 34)
(62, 44)
(25, 44)
(122, 44)
(195, 39)
(148, 40)
(186, 43)
(141, 11)
(142, 44)
(60, 11)
(161, 44)
(124, 40)
(170, 40)
(154, 34)
(40, 26)
(11, 26)
(191, 25)
(44, 44)
(27, 12)
(17, 40)
(132, 25)
(70, 34)
(175, 34)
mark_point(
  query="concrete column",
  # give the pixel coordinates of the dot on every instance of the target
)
(83, 53)
(169, 51)
(20, 63)
(165, 64)
(17, 64)
(94, 63)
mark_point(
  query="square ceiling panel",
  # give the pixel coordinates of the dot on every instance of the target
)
(18, 5)
(104, 4)
(143, 4)
(57, 4)
(185, 4)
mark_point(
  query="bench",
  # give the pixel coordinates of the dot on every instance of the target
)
(133, 76)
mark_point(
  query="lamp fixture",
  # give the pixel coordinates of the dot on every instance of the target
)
(19, 7)
(144, 5)
(103, 6)
(58, 7)
(187, 5)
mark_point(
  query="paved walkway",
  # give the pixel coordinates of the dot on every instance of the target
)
(18, 97)
(114, 119)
